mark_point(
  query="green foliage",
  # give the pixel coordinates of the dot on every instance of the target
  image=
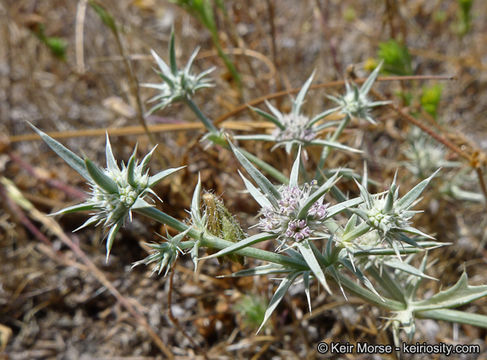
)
(252, 309)
(202, 10)
(396, 57)
(430, 99)
(104, 15)
(57, 45)
(464, 16)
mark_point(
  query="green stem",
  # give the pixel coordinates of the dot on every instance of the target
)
(455, 316)
(368, 295)
(207, 122)
(272, 171)
(326, 150)
(217, 243)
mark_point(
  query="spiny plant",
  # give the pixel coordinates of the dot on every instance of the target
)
(366, 245)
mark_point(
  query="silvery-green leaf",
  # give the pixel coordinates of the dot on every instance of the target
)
(153, 180)
(131, 169)
(293, 178)
(335, 145)
(92, 220)
(196, 201)
(194, 254)
(338, 208)
(400, 236)
(146, 159)
(302, 93)
(365, 195)
(264, 184)
(277, 114)
(74, 208)
(111, 237)
(255, 137)
(256, 194)
(268, 116)
(367, 85)
(111, 162)
(388, 283)
(172, 55)
(356, 232)
(315, 196)
(325, 125)
(162, 65)
(278, 296)
(306, 288)
(140, 204)
(402, 266)
(414, 231)
(407, 200)
(100, 178)
(191, 59)
(67, 155)
(321, 116)
(254, 239)
(258, 271)
(360, 275)
(304, 248)
(351, 224)
(459, 294)
(455, 316)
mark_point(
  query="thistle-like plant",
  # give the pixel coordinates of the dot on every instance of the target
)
(115, 191)
(295, 128)
(179, 84)
(164, 254)
(355, 102)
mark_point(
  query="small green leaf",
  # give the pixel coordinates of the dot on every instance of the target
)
(111, 162)
(403, 266)
(258, 271)
(304, 248)
(153, 180)
(303, 212)
(131, 169)
(74, 208)
(264, 184)
(100, 178)
(256, 194)
(104, 15)
(293, 178)
(111, 237)
(172, 54)
(407, 200)
(278, 296)
(459, 294)
(67, 155)
(302, 93)
(268, 117)
(254, 239)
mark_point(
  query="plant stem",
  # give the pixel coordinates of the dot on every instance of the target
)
(207, 122)
(297, 264)
(217, 243)
(455, 316)
(272, 171)
(326, 150)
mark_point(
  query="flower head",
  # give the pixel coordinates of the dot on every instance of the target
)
(286, 218)
(389, 214)
(178, 84)
(355, 102)
(164, 254)
(295, 128)
(115, 191)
